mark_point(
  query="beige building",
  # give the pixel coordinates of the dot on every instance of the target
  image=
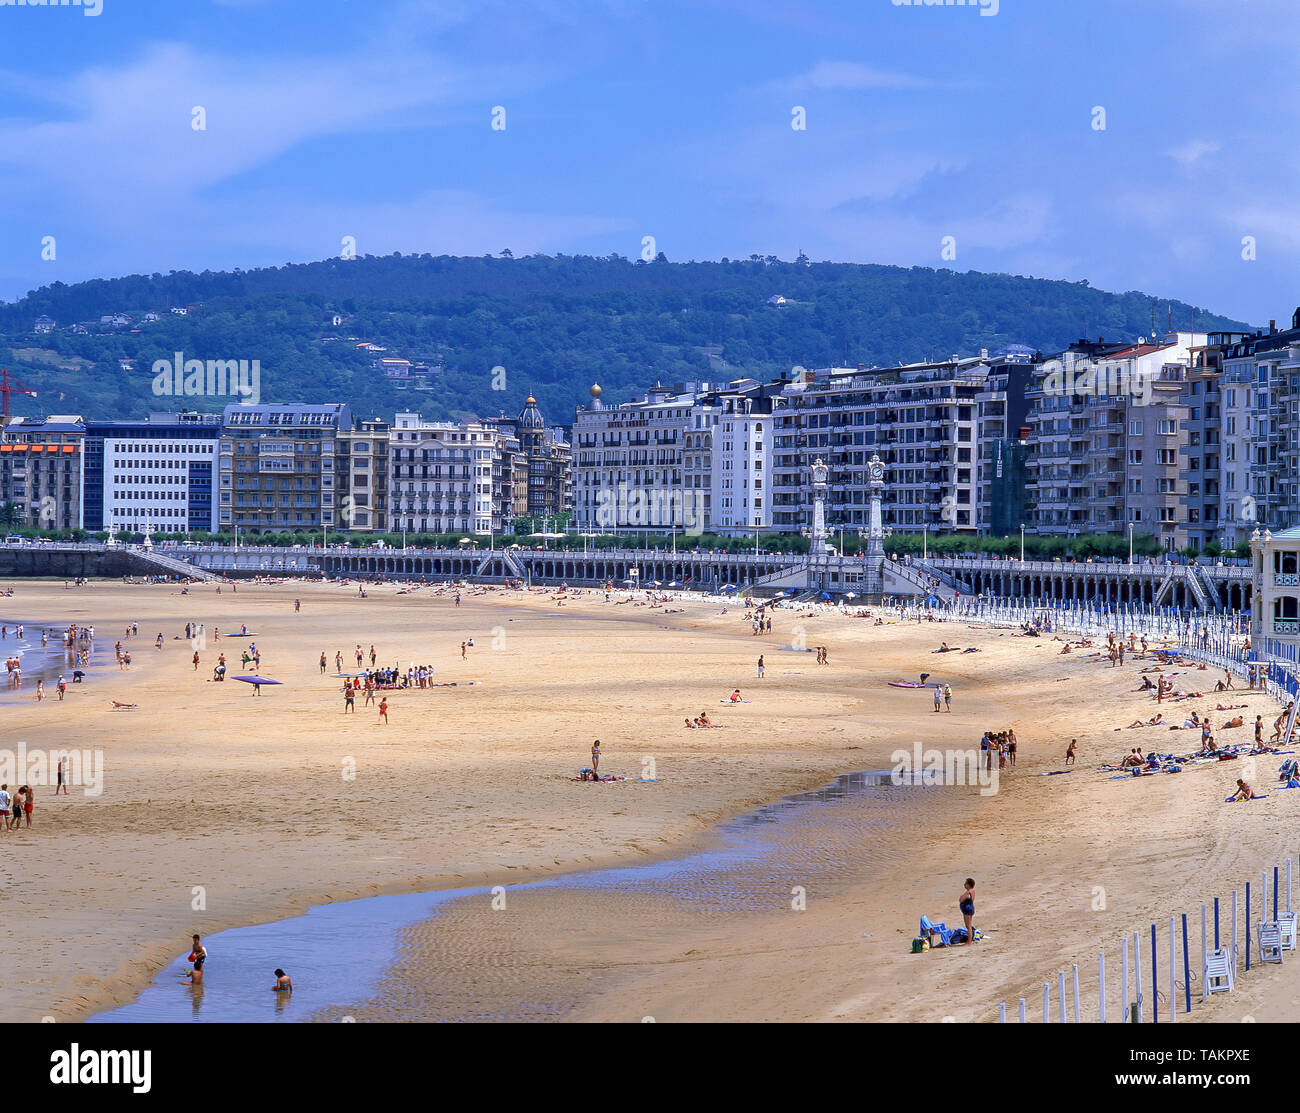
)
(41, 470)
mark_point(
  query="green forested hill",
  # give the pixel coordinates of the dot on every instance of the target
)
(556, 324)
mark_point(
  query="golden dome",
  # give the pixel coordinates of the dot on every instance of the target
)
(595, 390)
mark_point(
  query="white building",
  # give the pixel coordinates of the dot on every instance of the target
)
(156, 475)
(447, 477)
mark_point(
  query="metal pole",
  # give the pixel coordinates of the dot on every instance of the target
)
(1101, 990)
(1234, 929)
(1002, 1012)
(1075, 969)
(1155, 978)
(1187, 966)
(1123, 978)
(1137, 971)
(1247, 925)
(1022, 1010)
(1047, 1003)
(1060, 987)
(1173, 982)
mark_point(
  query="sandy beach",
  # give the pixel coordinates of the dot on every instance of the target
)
(221, 809)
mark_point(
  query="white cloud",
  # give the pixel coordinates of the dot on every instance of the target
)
(835, 76)
(1194, 150)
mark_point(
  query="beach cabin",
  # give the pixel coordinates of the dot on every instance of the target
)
(1275, 602)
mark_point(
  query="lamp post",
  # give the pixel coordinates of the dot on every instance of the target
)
(1022, 542)
(925, 540)
(1130, 542)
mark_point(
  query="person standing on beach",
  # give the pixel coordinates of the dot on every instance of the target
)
(938, 697)
(1069, 753)
(198, 956)
(297, 605)
(967, 905)
(5, 804)
(1259, 731)
(61, 785)
(196, 660)
(349, 700)
(40, 690)
(62, 685)
(760, 667)
(1011, 747)
(595, 756)
(322, 662)
(383, 710)
(947, 697)
(29, 802)
(462, 651)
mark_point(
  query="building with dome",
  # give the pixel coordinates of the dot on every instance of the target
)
(542, 464)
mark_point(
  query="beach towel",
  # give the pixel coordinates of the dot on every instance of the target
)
(1257, 796)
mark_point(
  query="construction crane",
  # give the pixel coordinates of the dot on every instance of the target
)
(10, 386)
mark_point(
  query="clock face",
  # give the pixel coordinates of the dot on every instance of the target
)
(877, 471)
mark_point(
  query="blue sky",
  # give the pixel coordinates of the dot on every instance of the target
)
(628, 118)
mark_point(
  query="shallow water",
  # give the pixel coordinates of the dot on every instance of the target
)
(341, 954)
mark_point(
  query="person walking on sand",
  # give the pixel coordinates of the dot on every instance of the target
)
(349, 700)
(338, 661)
(595, 756)
(947, 698)
(40, 690)
(1069, 753)
(760, 667)
(1227, 679)
(6, 802)
(196, 661)
(1259, 731)
(462, 651)
(938, 697)
(297, 606)
(322, 662)
(62, 686)
(61, 785)
(967, 905)
(29, 802)
(383, 710)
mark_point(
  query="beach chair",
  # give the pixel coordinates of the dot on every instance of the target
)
(1220, 974)
(1287, 924)
(1269, 934)
(929, 928)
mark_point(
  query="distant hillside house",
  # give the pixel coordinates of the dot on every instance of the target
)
(151, 316)
(44, 324)
(180, 310)
(777, 299)
(116, 320)
(365, 346)
(126, 364)
(394, 368)
(335, 319)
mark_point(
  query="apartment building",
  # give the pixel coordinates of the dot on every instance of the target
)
(40, 470)
(739, 499)
(362, 476)
(277, 467)
(1106, 426)
(546, 489)
(922, 420)
(152, 476)
(451, 477)
(629, 463)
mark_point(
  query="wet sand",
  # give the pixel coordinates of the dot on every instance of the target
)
(221, 809)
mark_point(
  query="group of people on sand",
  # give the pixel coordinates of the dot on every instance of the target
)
(18, 806)
(702, 722)
(1000, 742)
